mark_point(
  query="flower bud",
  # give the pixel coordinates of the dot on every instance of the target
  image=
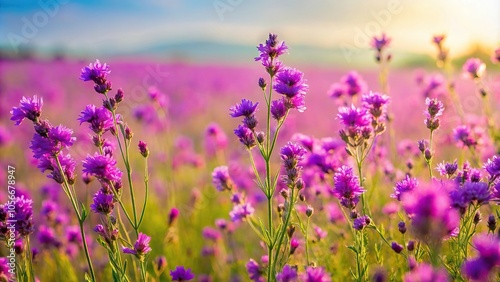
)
(309, 211)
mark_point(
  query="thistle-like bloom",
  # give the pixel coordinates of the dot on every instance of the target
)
(173, 215)
(432, 217)
(474, 68)
(290, 82)
(143, 149)
(241, 211)
(221, 179)
(353, 83)
(30, 108)
(463, 136)
(5, 274)
(353, 117)
(480, 268)
(347, 188)
(477, 192)
(315, 274)
(271, 50)
(103, 203)
(435, 108)
(141, 247)
(288, 274)
(492, 166)
(245, 108)
(21, 216)
(100, 119)
(254, 271)
(291, 155)
(57, 138)
(396, 247)
(425, 273)
(380, 43)
(95, 72)
(375, 103)
(448, 169)
(102, 167)
(68, 165)
(245, 135)
(361, 222)
(181, 274)
(404, 186)
(278, 109)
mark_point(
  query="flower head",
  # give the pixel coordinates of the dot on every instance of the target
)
(474, 68)
(406, 185)
(290, 82)
(102, 167)
(347, 188)
(103, 203)
(100, 119)
(272, 49)
(448, 169)
(141, 247)
(221, 179)
(375, 103)
(245, 135)
(244, 108)
(380, 43)
(278, 109)
(288, 274)
(30, 108)
(241, 211)
(426, 273)
(480, 268)
(254, 271)
(95, 72)
(492, 166)
(463, 136)
(354, 117)
(181, 274)
(315, 274)
(353, 83)
(361, 222)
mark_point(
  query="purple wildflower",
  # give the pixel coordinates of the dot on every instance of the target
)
(448, 169)
(361, 222)
(291, 155)
(315, 274)
(47, 236)
(172, 216)
(30, 108)
(319, 233)
(347, 188)
(380, 43)
(254, 271)
(141, 246)
(492, 166)
(278, 109)
(181, 274)
(406, 185)
(290, 82)
(245, 108)
(396, 247)
(221, 179)
(294, 244)
(21, 216)
(143, 149)
(425, 273)
(488, 258)
(95, 72)
(271, 50)
(353, 83)
(210, 233)
(375, 103)
(435, 108)
(354, 117)
(215, 139)
(337, 90)
(100, 119)
(103, 203)
(288, 274)
(58, 137)
(102, 167)
(463, 136)
(241, 211)
(245, 135)
(477, 191)
(473, 68)
(5, 274)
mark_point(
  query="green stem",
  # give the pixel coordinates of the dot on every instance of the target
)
(282, 233)
(29, 259)
(307, 241)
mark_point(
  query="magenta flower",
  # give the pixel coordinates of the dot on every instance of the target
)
(245, 135)
(290, 82)
(141, 247)
(480, 268)
(254, 271)
(102, 167)
(347, 188)
(404, 186)
(181, 274)
(492, 166)
(210, 233)
(288, 274)
(30, 108)
(103, 203)
(474, 68)
(353, 83)
(315, 274)
(241, 211)
(221, 179)
(425, 273)
(21, 217)
(448, 169)
(278, 109)
(143, 149)
(95, 72)
(361, 222)
(463, 136)
(272, 49)
(435, 108)
(375, 103)
(4, 269)
(100, 119)
(173, 215)
(353, 117)
(337, 90)
(380, 43)
(244, 108)
(215, 139)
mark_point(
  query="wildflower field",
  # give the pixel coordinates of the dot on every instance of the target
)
(259, 172)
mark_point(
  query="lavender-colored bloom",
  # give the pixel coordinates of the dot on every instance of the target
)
(448, 169)
(181, 274)
(241, 211)
(396, 247)
(102, 167)
(73, 234)
(58, 137)
(315, 274)
(245, 135)
(492, 166)
(294, 244)
(254, 271)
(432, 217)
(5, 274)
(245, 108)
(354, 83)
(278, 109)
(215, 139)
(21, 216)
(463, 136)
(291, 155)
(290, 82)
(210, 233)
(425, 273)
(354, 117)
(173, 215)
(47, 236)
(337, 90)
(438, 39)
(361, 222)
(488, 248)
(435, 108)
(288, 274)
(95, 72)
(30, 108)
(100, 119)
(347, 188)
(143, 149)
(477, 191)
(221, 179)
(474, 68)
(380, 43)
(319, 233)
(103, 203)
(141, 246)
(376, 103)
(272, 49)
(404, 186)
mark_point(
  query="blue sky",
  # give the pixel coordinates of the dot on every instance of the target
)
(121, 25)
